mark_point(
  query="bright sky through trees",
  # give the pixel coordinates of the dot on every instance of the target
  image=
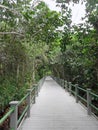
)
(78, 10)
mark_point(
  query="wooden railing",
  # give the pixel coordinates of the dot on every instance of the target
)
(28, 100)
(78, 92)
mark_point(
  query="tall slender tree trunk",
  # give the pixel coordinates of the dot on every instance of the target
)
(18, 71)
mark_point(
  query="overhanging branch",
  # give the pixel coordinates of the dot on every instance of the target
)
(13, 33)
(11, 10)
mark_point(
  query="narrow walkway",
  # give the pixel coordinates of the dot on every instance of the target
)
(56, 110)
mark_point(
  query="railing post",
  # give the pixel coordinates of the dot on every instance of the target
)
(35, 92)
(60, 82)
(67, 86)
(70, 88)
(28, 102)
(88, 101)
(63, 83)
(76, 93)
(14, 115)
(37, 86)
(37, 89)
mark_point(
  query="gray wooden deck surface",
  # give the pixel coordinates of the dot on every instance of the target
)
(56, 110)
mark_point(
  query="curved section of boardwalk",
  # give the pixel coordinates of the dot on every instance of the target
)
(56, 110)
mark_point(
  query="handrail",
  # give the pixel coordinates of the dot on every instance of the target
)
(23, 98)
(82, 89)
(75, 92)
(73, 85)
(32, 89)
(22, 115)
(6, 115)
(72, 91)
(82, 98)
(94, 107)
(14, 109)
(93, 94)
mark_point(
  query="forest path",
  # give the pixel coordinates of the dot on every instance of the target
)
(56, 110)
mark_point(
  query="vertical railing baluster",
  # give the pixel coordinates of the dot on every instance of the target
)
(88, 101)
(28, 102)
(66, 85)
(70, 88)
(76, 93)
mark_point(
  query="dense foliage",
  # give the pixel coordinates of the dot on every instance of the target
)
(26, 29)
(78, 59)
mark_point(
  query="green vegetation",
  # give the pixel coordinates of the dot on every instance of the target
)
(32, 46)
(26, 31)
(78, 58)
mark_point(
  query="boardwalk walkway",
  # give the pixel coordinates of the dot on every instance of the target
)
(56, 110)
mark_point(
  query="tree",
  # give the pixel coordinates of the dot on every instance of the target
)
(26, 32)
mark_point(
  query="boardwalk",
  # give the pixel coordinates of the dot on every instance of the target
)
(56, 110)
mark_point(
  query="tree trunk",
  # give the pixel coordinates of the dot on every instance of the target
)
(17, 76)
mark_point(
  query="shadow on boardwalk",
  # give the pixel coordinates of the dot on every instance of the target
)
(56, 110)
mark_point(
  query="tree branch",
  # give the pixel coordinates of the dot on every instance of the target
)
(7, 8)
(36, 32)
(17, 33)
(13, 33)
